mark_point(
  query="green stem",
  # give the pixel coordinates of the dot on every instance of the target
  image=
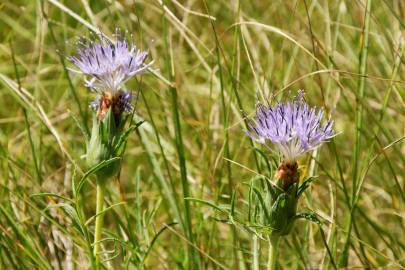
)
(273, 252)
(255, 251)
(344, 258)
(80, 213)
(192, 255)
(99, 222)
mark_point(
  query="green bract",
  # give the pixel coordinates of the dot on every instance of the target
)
(278, 208)
(108, 140)
(282, 210)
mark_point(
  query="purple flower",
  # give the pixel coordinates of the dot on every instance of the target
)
(109, 64)
(293, 127)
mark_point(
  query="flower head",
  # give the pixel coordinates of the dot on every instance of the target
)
(109, 64)
(293, 127)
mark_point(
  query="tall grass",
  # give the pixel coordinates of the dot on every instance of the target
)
(190, 161)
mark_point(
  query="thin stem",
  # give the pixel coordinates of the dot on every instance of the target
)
(344, 258)
(34, 157)
(273, 252)
(255, 251)
(99, 222)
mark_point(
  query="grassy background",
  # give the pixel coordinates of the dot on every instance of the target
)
(215, 58)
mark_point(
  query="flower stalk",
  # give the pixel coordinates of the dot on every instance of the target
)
(99, 222)
(273, 252)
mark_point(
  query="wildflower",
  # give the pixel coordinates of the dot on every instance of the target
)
(293, 128)
(109, 65)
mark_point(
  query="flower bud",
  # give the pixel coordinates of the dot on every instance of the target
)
(103, 144)
(283, 199)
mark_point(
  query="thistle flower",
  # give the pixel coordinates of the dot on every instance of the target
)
(109, 65)
(294, 129)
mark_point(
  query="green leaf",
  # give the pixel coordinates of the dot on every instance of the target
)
(305, 185)
(69, 209)
(119, 146)
(233, 202)
(109, 123)
(265, 157)
(263, 204)
(310, 217)
(94, 147)
(80, 125)
(282, 213)
(213, 205)
(102, 212)
(72, 213)
(93, 170)
(153, 242)
(292, 190)
(48, 194)
(73, 180)
(250, 200)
